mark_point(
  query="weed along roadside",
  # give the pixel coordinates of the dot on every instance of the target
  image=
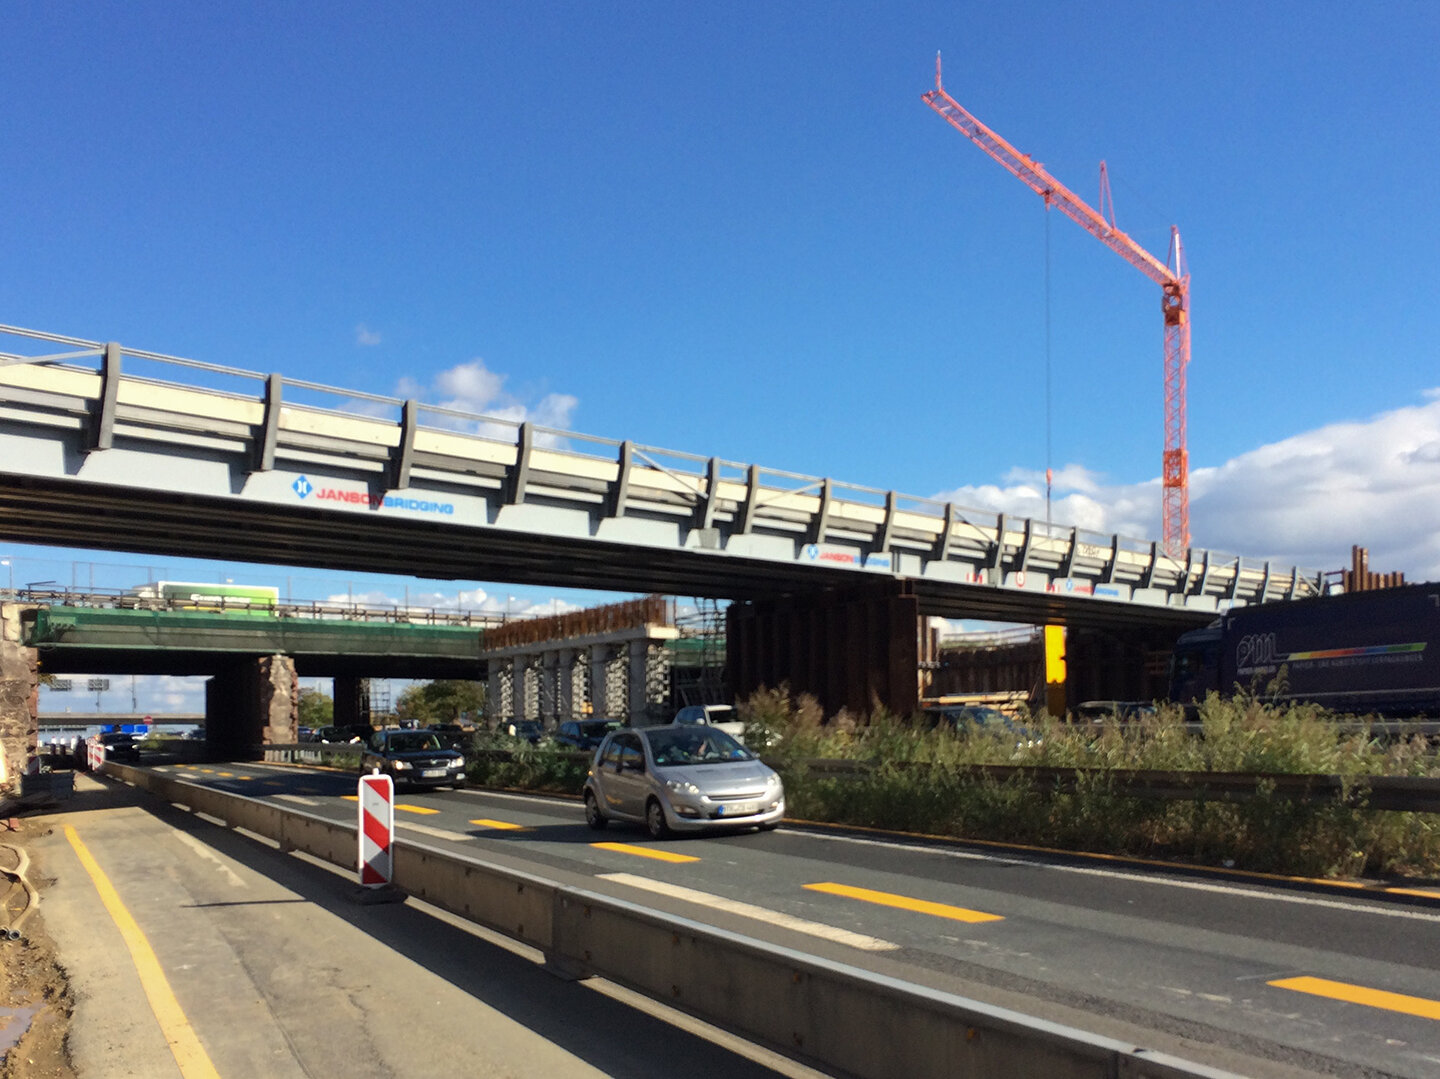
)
(1282, 790)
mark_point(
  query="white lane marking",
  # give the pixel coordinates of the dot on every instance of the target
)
(296, 799)
(517, 797)
(433, 833)
(760, 914)
(1134, 878)
(210, 856)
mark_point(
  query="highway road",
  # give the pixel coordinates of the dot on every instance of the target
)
(1260, 977)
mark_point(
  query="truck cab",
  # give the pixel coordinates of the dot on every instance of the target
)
(1195, 665)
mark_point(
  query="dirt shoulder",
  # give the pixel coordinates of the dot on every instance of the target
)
(36, 1001)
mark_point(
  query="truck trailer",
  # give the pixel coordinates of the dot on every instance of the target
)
(1374, 652)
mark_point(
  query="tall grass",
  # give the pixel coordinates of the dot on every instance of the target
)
(919, 782)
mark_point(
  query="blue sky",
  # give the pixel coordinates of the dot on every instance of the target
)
(734, 229)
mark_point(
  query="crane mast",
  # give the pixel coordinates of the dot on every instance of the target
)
(1171, 276)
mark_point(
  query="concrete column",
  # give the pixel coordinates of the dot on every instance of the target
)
(580, 684)
(647, 671)
(548, 673)
(566, 707)
(617, 691)
(500, 694)
(527, 687)
(595, 658)
(649, 682)
(19, 701)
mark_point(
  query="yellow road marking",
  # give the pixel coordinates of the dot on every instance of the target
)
(646, 852)
(351, 797)
(904, 902)
(226, 775)
(1359, 994)
(184, 1043)
(422, 810)
(500, 825)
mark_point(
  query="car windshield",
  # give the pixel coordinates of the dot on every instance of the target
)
(690, 745)
(599, 728)
(413, 742)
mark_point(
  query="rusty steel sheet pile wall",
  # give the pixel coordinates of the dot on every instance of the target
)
(837, 1016)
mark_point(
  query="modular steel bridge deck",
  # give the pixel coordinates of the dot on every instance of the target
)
(112, 447)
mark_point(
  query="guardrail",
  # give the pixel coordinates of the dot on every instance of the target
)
(835, 1015)
(1409, 794)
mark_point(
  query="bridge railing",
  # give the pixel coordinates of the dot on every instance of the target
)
(320, 610)
(741, 507)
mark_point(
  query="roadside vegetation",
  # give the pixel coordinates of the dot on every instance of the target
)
(907, 778)
(920, 782)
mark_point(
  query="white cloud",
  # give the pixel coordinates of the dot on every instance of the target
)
(365, 336)
(1304, 500)
(472, 387)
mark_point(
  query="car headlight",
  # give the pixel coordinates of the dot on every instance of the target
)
(681, 786)
(772, 782)
(401, 766)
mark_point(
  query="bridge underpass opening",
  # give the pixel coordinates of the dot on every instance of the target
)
(859, 648)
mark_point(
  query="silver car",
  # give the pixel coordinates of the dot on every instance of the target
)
(680, 779)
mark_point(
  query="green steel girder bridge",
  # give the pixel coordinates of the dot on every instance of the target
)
(115, 640)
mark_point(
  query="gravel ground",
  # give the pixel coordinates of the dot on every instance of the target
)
(35, 997)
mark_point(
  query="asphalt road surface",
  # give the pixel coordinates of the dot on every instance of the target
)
(1262, 977)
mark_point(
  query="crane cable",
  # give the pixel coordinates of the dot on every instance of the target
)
(1049, 474)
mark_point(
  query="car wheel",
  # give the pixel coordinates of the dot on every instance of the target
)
(655, 819)
(593, 816)
(770, 827)
(459, 783)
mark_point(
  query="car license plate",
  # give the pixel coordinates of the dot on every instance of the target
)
(736, 809)
(432, 773)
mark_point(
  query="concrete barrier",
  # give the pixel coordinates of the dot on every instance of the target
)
(832, 1014)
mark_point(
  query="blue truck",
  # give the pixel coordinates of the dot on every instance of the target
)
(1365, 653)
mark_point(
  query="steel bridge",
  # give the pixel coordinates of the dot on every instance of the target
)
(118, 448)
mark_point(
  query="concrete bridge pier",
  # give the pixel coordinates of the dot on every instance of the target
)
(252, 702)
(607, 680)
(19, 701)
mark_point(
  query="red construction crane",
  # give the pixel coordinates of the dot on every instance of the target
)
(1173, 279)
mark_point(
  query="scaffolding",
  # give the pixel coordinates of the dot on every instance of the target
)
(697, 669)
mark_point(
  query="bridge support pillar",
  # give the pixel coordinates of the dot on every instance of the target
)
(850, 648)
(548, 689)
(352, 702)
(527, 687)
(19, 701)
(500, 693)
(647, 678)
(608, 684)
(252, 703)
(569, 689)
